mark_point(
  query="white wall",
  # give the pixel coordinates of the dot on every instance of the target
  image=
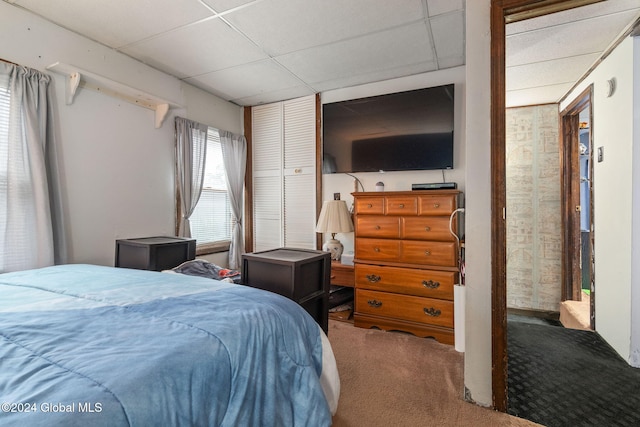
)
(613, 130)
(400, 181)
(635, 226)
(477, 360)
(117, 168)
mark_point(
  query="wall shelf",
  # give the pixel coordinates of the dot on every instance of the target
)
(76, 77)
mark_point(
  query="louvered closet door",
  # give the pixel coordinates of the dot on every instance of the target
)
(284, 182)
(267, 177)
(299, 173)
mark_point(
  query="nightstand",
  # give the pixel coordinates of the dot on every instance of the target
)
(342, 290)
(154, 253)
(342, 275)
(299, 274)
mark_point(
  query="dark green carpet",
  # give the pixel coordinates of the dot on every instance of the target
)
(561, 377)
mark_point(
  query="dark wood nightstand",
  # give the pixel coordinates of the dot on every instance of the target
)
(298, 274)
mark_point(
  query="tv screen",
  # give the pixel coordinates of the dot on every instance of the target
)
(410, 130)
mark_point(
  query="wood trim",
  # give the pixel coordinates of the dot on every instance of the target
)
(10, 62)
(319, 157)
(212, 248)
(248, 182)
(498, 204)
(178, 200)
(570, 264)
(570, 196)
(520, 10)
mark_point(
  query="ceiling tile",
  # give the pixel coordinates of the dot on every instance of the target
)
(448, 34)
(564, 40)
(225, 5)
(117, 23)
(248, 80)
(539, 95)
(278, 95)
(450, 61)
(547, 72)
(438, 7)
(208, 46)
(386, 50)
(375, 76)
(283, 26)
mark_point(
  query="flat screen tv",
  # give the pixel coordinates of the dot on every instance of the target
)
(410, 130)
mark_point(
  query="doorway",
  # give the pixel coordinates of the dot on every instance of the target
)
(578, 284)
(502, 12)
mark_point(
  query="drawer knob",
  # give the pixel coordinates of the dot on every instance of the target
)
(427, 253)
(376, 249)
(373, 278)
(430, 284)
(433, 312)
(427, 228)
(375, 303)
(436, 205)
(369, 205)
(377, 227)
(401, 205)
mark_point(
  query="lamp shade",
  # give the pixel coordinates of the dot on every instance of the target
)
(334, 218)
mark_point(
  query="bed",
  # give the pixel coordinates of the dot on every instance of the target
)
(94, 345)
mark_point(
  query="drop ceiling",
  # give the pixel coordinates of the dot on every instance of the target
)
(251, 52)
(546, 56)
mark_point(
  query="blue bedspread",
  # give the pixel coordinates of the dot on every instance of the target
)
(100, 346)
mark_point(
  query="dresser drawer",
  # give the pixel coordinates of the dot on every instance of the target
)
(378, 249)
(369, 205)
(437, 204)
(378, 226)
(401, 205)
(426, 228)
(416, 309)
(429, 253)
(409, 281)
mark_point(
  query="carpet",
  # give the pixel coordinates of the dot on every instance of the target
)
(567, 377)
(397, 379)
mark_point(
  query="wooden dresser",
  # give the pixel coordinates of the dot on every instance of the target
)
(406, 261)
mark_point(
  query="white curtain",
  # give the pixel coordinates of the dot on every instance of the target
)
(191, 152)
(234, 154)
(31, 232)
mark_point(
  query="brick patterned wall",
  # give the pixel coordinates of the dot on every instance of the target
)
(533, 208)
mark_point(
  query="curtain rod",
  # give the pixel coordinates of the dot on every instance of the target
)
(9, 62)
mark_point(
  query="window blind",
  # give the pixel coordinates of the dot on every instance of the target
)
(211, 221)
(5, 96)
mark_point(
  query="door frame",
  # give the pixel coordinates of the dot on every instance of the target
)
(502, 13)
(570, 194)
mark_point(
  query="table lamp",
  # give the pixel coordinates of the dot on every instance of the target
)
(334, 218)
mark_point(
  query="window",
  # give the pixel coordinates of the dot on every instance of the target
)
(211, 221)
